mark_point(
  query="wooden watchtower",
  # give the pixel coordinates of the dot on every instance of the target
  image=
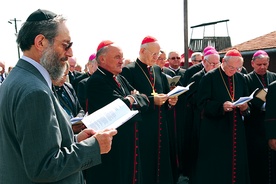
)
(219, 42)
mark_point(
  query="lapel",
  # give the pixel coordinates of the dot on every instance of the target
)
(69, 92)
(29, 67)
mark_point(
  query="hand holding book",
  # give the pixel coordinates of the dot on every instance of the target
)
(243, 100)
(112, 115)
(178, 90)
(173, 80)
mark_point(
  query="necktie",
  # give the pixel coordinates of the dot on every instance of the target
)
(65, 101)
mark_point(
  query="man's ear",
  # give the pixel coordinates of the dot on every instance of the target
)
(40, 42)
(101, 59)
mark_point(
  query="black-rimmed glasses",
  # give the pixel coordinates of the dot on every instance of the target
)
(66, 45)
(174, 58)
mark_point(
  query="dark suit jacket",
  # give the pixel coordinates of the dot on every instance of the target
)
(37, 142)
(74, 106)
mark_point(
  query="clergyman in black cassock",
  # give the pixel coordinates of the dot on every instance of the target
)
(222, 156)
(122, 164)
(270, 125)
(148, 78)
(259, 154)
(176, 115)
(192, 114)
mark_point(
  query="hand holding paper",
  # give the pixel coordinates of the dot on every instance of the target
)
(112, 115)
(243, 100)
(178, 90)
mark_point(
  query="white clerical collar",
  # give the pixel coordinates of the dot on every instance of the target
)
(174, 69)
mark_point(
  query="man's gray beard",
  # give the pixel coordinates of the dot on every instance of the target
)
(51, 62)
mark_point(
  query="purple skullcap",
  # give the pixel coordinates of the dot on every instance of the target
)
(93, 56)
(260, 54)
(211, 52)
(208, 48)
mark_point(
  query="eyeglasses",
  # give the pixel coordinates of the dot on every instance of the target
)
(174, 58)
(234, 68)
(161, 59)
(197, 60)
(66, 45)
(153, 54)
(213, 64)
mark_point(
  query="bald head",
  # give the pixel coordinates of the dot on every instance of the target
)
(73, 63)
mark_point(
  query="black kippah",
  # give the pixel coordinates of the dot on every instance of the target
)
(40, 15)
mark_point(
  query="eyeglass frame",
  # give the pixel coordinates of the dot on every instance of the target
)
(161, 59)
(153, 54)
(66, 45)
(174, 58)
(213, 64)
(233, 68)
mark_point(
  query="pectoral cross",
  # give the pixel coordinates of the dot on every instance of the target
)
(153, 93)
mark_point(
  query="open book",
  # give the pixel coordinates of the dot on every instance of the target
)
(243, 100)
(178, 90)
(173, 80)
(261, 94)
(112, 115)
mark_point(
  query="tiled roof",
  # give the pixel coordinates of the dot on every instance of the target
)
(266, 41)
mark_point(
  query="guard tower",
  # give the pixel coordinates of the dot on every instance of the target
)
(219, 42)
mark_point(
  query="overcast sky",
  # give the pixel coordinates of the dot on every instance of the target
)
(127, 22)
